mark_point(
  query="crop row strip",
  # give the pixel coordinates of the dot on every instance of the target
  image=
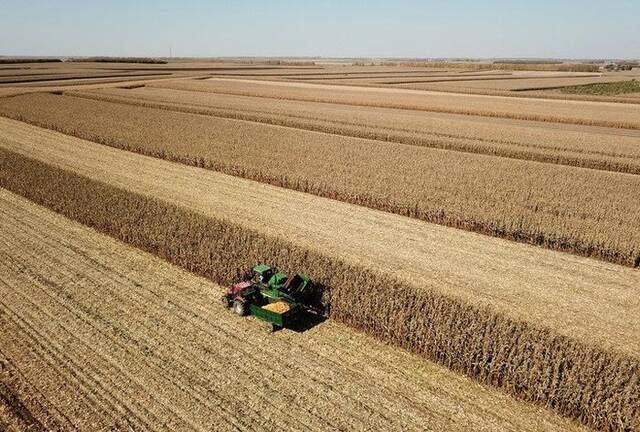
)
(539, 117)
(599, 388)
(439, 140)
(528, 222)
(173, 100)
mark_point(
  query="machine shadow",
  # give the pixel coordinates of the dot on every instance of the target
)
(307, 321)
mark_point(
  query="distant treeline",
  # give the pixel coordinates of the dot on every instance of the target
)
(258, 61)
(147, 60)
(29, 60)
(527, 62)
(511, 65)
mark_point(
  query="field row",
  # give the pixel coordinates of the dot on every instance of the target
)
(110, 337)
(577, 210)
(57, 87)
(533, 91)
(380, 77)
(509, 84)
(498, 81)
(558, 111)
(590, 147)
(518, 83)
(550, 327)
(46, 78)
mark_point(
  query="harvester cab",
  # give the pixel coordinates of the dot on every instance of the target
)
(271, 296)
(262, 273)
(277, 281)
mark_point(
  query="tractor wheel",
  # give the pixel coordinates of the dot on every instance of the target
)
(240, 307)
(226, 302)
(274, 328)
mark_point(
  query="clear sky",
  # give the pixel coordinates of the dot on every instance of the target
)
(332, 28)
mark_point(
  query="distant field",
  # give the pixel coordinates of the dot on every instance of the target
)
(503, 65)
(330, 73)
(582, 146)
(609, 115)
(81, 77)
(617, 88)
(498, 82)
(384, 78)
(519, 84)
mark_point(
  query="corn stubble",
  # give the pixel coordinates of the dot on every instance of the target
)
(586, 212)
(599, 388)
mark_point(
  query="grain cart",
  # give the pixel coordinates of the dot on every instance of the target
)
(271, 296)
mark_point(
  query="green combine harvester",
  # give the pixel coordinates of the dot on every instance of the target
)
(271, 296)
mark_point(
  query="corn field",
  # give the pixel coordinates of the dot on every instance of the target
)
(598, 387)
(587, 212)
(553, 111)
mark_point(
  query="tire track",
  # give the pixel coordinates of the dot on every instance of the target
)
(105, 336)
(52, 418)
(53, 351)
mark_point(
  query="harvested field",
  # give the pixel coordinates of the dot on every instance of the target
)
(582, 211)
(328, 72)
(550, 327)
(515, 83)
(59, 87)
(545, 94)
(98, 336)
(405, 76)
(12, 91)
(586, 146)
(25, 72)
(88, 77)
(559, 111)
(80, 81)
(611, 88)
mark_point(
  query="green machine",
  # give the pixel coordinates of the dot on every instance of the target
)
(272, 296)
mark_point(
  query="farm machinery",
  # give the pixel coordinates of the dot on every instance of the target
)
(272, 296)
